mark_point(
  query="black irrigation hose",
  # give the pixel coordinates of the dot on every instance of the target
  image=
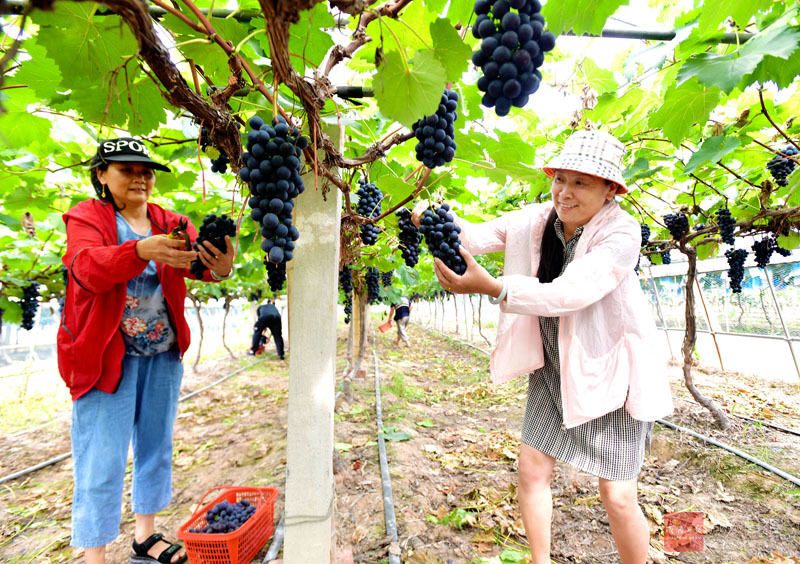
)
(765, 424)
(742, 454)
(736, 451)
(386, 480)
(66, 455)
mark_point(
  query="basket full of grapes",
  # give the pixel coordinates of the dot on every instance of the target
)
(232, 528)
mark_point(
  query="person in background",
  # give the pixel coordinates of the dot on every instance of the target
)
(574, 319)
(268, 318)
(402, 312)
(120, 343)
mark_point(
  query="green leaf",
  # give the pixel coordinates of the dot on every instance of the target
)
(449, 49)
(343, 447)
(406, 93)
(726, 71)
(601, 80)
(582, 16)
(682, 107)
(427, 423)
(84, 45)
(712, 150)
(790, 241)
(740, 12)
(707, 250)
(394, 435)
(512, 556)
(40, 74)
(308, 37)
(394, 189)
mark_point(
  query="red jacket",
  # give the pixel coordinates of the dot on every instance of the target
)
(90, 344)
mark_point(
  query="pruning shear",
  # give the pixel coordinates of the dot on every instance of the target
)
(180, 232)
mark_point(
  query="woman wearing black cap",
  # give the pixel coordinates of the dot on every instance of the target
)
(120, 343)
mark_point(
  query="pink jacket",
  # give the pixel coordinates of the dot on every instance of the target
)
(606, 337)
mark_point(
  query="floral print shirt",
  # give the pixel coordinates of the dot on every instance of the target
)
(145, 325)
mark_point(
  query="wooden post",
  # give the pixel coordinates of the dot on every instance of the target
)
(312, 375)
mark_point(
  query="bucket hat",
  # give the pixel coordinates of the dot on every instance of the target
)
(591, 152)
(126, 150)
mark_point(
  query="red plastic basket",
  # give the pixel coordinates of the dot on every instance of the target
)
(240, 546)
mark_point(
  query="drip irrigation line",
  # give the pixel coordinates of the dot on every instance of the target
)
(39, 466)
(66, 455)
(386, 480)
(736, 451)
(277, 541)
(765, 424)
(729, 448)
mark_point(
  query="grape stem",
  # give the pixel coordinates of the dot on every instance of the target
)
(775, 125)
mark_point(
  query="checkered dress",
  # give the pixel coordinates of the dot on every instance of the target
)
(611, 446)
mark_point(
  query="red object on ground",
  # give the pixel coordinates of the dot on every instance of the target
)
(683, 532)
(240, 546)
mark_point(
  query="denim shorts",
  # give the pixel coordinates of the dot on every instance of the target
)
(141, 411)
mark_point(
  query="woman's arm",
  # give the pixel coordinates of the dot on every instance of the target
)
(478, 238)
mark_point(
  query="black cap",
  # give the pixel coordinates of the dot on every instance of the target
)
(126, 150)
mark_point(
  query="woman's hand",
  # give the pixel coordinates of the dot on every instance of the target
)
(476, 280)
(416, 213)
(161, 248)
(215, 260)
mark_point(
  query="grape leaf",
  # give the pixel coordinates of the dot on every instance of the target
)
(42, 76)
(449, 49)
(740, 12)
(308, 38)
(582, 16)
(684, 106)
(405, 93)
(712, 150)
(394, 189)
(726, 71)
(85, 46)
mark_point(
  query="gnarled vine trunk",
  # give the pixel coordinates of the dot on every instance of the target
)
(690, 339)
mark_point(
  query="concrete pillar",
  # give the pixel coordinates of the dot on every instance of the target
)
(312, 373)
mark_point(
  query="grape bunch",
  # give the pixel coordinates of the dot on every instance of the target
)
(369, 205)
(219, 164)
(436, 133)
(346, 284)
(764, 248)
(781, 167)
(272, 168)
(30, 305)
(725, 222)
(736, 258)
(763, 251)
(678, 225)
(212, 230)
(226, 517)
(276, 274)
(409, 237)
(372, 278)
(441, 236)
(386, 278)
(512, 50)
(665, 258)
(645, 234)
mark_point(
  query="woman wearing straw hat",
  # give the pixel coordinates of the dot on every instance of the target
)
(120, 342)
(574, 318)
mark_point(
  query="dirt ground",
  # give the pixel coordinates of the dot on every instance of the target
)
(452, 442)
